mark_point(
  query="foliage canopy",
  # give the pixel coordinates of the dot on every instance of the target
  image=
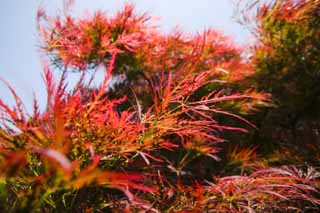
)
(172, 133)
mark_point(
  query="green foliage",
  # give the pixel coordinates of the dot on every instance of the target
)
(286, 63)
(288, 54)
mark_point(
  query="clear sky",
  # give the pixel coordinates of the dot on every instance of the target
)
(19, 55)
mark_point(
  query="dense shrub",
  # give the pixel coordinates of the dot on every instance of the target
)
(155, 140)
(285, 57)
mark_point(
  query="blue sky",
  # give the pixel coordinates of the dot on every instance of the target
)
(19, 54)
